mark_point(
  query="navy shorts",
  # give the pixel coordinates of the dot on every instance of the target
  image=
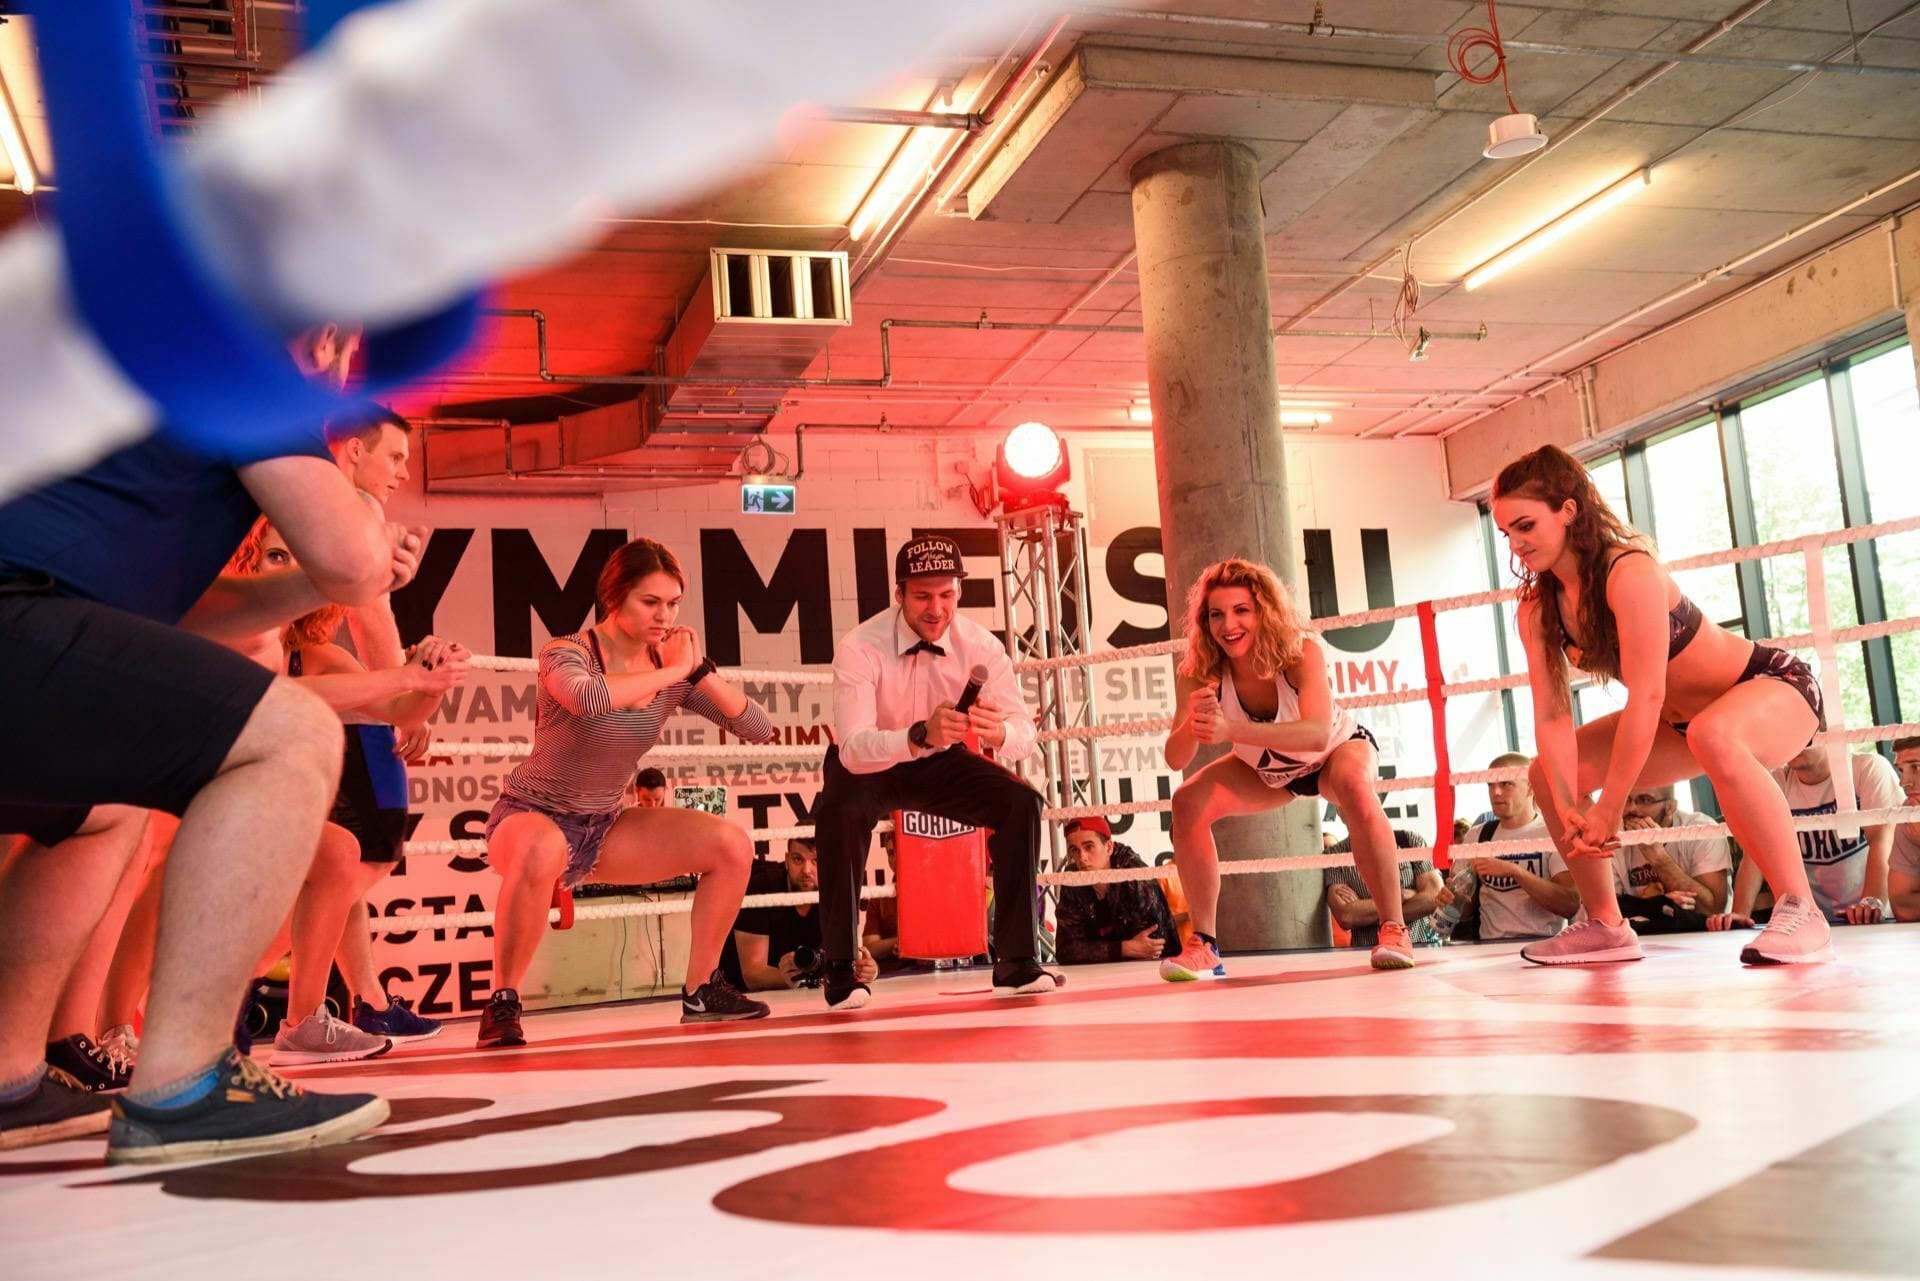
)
(583, 832)
(372, 800)
(105, 707)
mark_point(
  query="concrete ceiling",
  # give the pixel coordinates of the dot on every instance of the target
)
(1381, 150)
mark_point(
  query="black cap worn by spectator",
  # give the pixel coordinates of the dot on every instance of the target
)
(930, 555)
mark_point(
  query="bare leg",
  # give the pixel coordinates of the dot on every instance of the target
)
(237, 862)
(50, 902)
(132, 969)
(355, 953)
(1222, 789)
(1669, 760)
(1745, 734)
(1349, 779)
(529, 853)
(652, 845)
(327, 897)
(78, 1013)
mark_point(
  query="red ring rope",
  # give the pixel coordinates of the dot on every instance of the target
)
(1442, 766)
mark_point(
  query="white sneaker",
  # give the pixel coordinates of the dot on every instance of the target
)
(1797, 934)
(1586, 943)
(321, 1038)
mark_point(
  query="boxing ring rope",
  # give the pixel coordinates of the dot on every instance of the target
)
(1824, 640)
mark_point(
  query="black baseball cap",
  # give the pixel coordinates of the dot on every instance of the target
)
(930, 555)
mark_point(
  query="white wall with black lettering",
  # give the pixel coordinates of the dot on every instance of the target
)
(776, 591)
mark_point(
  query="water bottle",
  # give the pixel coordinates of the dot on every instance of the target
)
(1463, 885)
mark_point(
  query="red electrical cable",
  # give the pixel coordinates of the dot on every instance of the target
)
(1470, 40)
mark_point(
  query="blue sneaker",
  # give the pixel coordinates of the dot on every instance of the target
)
(397, 1022)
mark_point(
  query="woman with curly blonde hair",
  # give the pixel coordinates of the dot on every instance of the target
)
(1255, 678)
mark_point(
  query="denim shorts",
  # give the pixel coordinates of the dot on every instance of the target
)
(583, 832)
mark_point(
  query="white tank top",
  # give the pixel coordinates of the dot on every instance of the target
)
(1277, 769)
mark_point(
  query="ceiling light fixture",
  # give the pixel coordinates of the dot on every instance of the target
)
(1140, 411)
(1560, 228)
(14, 143)
(1303, 418)
(908, 166)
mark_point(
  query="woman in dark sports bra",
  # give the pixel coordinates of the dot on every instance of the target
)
(1594, 597)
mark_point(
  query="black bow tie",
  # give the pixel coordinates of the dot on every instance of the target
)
(927, 645)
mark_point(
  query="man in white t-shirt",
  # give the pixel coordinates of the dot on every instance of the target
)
(1692, 873)
(1518, 896)
(1903, 866)
(1847, 865)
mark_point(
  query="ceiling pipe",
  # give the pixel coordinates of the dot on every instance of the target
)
(1507, 173)
(971, 121)
(1467, 335)
(1333, 31)
(684, 380)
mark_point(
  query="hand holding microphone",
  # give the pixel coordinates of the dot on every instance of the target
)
(950, 722)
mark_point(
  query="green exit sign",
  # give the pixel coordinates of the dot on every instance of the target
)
(767, 500)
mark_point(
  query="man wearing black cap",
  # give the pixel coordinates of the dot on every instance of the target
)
(899, 745)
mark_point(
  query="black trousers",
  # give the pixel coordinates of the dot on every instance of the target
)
(954, 784)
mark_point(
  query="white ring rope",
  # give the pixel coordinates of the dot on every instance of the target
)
(1243, 867)
(1823, 640)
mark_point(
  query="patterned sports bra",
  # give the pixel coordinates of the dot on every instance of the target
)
(1684, 620)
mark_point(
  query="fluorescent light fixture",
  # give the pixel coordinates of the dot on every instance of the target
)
(1303, 418)
(1560, 228)
(1140, 411)
(908, 166)
(14, 143)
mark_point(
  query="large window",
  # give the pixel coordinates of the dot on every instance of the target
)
(1888, 412)
(1787, 481)
(1610, 478)
(1795, 483)
(1690, 512)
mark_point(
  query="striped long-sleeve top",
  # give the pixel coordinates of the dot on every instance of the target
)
(584, 749)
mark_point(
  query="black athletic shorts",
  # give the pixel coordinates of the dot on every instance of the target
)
(103, 707)
(372, 800)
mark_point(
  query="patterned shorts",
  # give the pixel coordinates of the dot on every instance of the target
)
(1778, 665)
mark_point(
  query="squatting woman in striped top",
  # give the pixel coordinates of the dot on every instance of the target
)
(604, 693)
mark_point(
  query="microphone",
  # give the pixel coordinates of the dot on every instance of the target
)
(975, 679)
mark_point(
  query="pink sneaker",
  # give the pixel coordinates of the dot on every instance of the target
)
(1586, 943)
(1395, 949)
(1197, 960)
(1797, 934)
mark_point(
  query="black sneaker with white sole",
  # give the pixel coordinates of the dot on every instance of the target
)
(249, 1111)
(842, 990)
(1025, 978)
(718, 1001)
(89, 1064)
(500, 1021)
(59, 1108)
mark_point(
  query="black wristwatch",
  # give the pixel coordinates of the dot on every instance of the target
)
(917, 735)
(706, 668)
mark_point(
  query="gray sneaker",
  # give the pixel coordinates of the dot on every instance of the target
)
(321, 1038)
(1586, 943)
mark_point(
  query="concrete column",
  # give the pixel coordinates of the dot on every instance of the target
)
(1200, 229)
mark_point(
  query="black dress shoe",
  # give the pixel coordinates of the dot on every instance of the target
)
(843, 990)
(1025, 977)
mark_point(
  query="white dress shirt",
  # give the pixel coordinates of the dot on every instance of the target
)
(880, 690)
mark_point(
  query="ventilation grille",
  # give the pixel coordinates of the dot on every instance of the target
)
(780, 287)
